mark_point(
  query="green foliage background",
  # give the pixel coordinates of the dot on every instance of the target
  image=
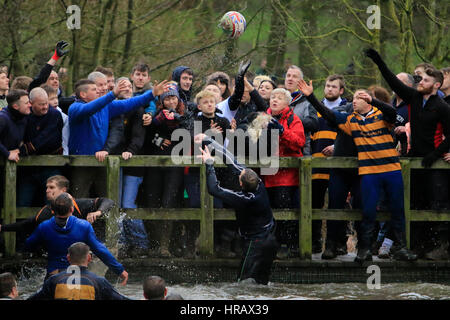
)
(322, 37)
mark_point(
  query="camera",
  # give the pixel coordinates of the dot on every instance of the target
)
(157, 140)
(176, 115)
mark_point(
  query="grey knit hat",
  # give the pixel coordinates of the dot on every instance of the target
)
(173, 91)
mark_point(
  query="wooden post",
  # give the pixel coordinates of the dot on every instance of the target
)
(9, 205)
(112, 189)
(206, 237)
(305, 214)
(406, 173)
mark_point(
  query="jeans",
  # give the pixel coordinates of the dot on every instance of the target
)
(133, 230)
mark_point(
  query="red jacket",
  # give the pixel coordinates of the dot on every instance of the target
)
(291, 143)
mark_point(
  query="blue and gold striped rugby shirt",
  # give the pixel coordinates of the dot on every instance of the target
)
(371, 134)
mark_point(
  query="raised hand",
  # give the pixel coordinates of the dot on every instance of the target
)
(372, 54)
(305, 88)
(205, 154)
(243, 67)
(60, 46)
(119, 87)
(160, 88)
(199, 138)
(365, 96)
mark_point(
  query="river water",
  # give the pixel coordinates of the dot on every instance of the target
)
(282, 291)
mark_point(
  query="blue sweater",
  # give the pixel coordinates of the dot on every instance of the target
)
(58, 239)
(89, 122)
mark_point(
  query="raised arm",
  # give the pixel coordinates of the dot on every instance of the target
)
(389, 113)
(79, 111)
(230, 197)
(403, 91)
(230, 160)
(118, 107)
(326, 113)
(45, 72)
(235, 100)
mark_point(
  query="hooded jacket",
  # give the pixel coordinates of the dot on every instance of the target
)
(176, 75)
(58, 239)
(12, 130)
(291, 143)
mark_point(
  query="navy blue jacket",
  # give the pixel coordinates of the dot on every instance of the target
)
(12, 130)
(58, 239)
(43, 134)
(254, 216)
(61, 286)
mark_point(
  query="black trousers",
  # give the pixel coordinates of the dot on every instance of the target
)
(429, 191)
(257, 258)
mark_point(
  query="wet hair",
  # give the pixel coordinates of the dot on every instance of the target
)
(78, 252)
(174, 296)
(250, 180)
(379, 93)
(154, 288)
(61, 181)
(14, 96)
(7, 283)
(141, 67)
(82, 86)
(334, 77)
(21, 82)
(106, 71)
(62, 204)
(49, 89)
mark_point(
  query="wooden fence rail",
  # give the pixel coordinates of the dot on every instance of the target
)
(206, 214)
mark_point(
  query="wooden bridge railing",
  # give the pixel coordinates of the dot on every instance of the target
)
(206, 214)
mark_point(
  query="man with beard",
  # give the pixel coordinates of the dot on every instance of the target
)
(322, 145)
(430, 121)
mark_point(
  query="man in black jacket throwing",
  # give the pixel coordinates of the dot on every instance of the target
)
(254, 216)
(430, 123)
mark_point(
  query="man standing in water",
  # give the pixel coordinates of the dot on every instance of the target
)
(254, 217)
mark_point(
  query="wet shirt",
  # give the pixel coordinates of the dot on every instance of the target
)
(62, 286)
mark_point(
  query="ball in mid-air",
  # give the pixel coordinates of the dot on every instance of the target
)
(233, 24)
